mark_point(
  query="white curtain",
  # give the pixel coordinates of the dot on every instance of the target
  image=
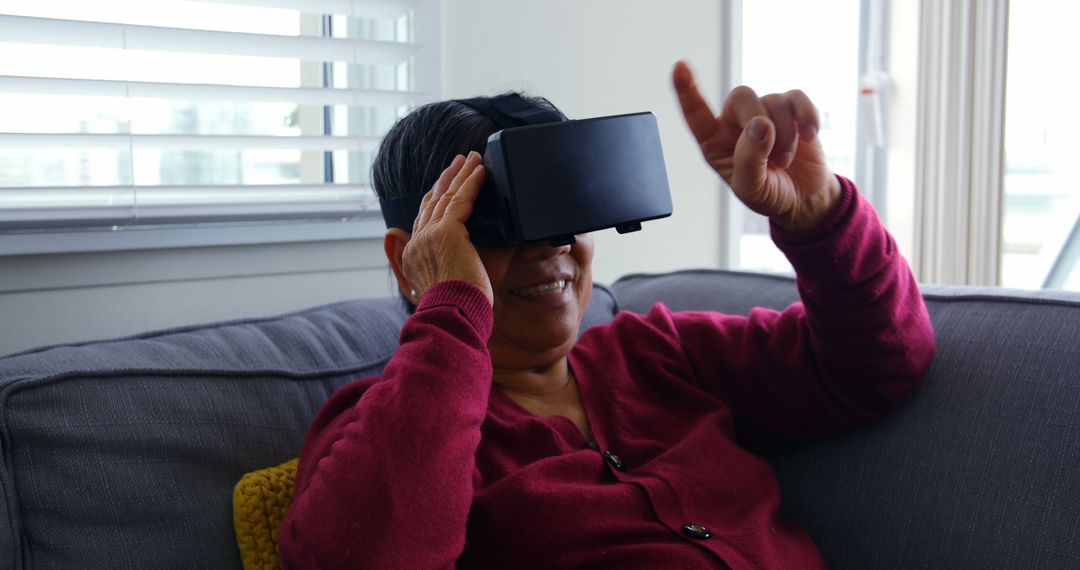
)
(959, 147)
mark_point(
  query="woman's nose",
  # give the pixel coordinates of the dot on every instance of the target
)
(541, 250)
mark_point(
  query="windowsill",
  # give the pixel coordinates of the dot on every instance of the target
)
(129, 239)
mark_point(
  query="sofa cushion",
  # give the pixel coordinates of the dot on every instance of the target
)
(260, 502)
(977, 470)
(124, 453)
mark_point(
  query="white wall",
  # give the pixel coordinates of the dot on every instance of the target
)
(605, 57)
(50, 299)
(591, 58)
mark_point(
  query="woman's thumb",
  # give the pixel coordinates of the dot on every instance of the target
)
(752, 153)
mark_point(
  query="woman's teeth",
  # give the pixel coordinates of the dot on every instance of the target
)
(545, 289)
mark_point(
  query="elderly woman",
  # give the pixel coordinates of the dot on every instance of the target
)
(496, 438)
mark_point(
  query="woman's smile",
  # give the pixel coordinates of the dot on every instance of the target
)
(544, 289)
(551, 295)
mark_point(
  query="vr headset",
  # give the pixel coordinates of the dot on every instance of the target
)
(549, 178)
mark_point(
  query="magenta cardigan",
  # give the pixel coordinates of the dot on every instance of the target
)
(429, 466)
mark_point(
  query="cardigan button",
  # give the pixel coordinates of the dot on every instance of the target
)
(614, 460)
(696, 531)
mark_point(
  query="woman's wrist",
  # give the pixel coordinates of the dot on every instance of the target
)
(814, 208)
(468, 297)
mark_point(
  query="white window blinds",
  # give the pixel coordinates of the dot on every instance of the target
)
(125, 114)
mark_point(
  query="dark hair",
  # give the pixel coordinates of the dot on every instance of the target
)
(422, 144)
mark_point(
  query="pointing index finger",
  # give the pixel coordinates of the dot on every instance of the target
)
(699, 117)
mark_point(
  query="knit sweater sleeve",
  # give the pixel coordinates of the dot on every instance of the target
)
(385, 475)
(848, 353)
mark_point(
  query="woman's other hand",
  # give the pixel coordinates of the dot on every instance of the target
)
(439, 248)
(766, 149)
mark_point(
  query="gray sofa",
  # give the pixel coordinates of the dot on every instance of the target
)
(124, 453)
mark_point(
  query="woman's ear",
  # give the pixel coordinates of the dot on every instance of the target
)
(394, 246)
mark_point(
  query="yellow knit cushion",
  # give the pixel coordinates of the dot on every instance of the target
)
(260, 501)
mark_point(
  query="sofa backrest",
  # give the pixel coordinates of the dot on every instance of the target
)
(981, 466)
(124, 453)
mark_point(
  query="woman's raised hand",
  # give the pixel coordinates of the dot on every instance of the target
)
(439, 248)
(766, 149)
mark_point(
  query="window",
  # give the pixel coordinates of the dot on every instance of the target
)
(980, 191)
(127, 120)
(814, 47)
(1041, 210)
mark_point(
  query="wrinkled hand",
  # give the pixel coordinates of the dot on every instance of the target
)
(439, 248)
(766, 149)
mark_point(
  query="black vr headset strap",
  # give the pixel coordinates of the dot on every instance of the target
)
(511, 110)
(401, 212)
(506, 111)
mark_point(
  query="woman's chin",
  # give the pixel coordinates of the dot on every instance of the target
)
(537, 327)
(529, 346)
(549, 318)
